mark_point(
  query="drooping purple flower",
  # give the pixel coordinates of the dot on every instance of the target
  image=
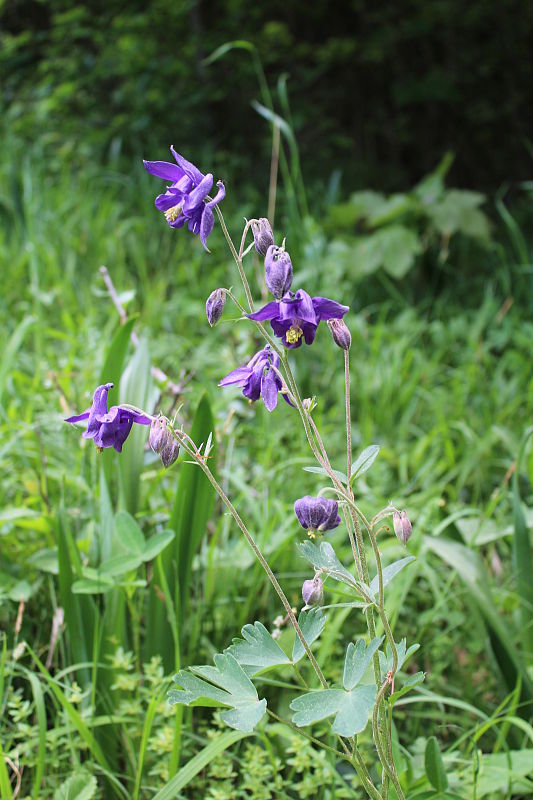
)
(185, 199)
(297, 315)
(313, 592)
(278, 271)
(108, 428)
(317, 513)
(214, 306)
(340, 333)
(257, 378)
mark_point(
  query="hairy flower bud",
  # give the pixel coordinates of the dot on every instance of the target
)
(313, 592)
(340, 333)
(278, 271)
(163, 442)
(215, 306)
(402, 526)
(263, 236)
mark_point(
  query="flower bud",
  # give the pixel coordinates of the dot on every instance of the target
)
(263, 236)
(340, 333)
(215, 306)
(313, 592)
(163, 442)
(402, 526)
(278, 271)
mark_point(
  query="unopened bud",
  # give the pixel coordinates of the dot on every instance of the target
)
(163, 442)
(313, 592)
(263, 236)
(215, 306)
(340, 333)
(402, 526)
(278, 271)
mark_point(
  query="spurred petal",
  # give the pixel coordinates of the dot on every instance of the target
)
(164, 169)
(167, 200)
(188, 168)
(137, 416)
(328, 309)
(220, 195)
(270, 311)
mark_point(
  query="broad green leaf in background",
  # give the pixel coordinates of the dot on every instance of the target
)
(229, 686)
(364, 461)
(80, 786)
(434, 766)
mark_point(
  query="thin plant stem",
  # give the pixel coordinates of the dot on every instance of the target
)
(238, 260)
(348, 415)
(289, 724)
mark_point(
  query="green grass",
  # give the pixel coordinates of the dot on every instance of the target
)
(444, 388)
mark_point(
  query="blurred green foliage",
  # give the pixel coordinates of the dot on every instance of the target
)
(377, 91)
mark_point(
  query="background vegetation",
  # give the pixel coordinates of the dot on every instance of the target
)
(433, 255)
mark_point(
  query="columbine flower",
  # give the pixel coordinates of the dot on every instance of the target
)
(402, 526)
(185, 199)
(297, 315)
(278, 271)
(263, 236)
(257, 378)
(313, 592)
(109, 428)
(317, 514)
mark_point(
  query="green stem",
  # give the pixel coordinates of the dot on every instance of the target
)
(348, 415)
(238, 260)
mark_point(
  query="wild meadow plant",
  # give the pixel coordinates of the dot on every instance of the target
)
(369, 687)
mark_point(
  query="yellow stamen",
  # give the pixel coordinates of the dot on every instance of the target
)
(173, 213)
(294, 334)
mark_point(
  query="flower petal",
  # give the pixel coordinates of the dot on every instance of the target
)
(206, 225)
(298, 307)
(269, 390)
(197, 195)
(270, 311)
(237, 376)
(79, 417)
(167, 200)
(164, 169)
(188, 168)
(220, 195)
(328, 309)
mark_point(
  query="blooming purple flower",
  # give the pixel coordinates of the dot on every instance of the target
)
(317, 513)
(185, 199)
(109, 428)
(278, 271)
(313, 592)
(297, 315)
(257, 378)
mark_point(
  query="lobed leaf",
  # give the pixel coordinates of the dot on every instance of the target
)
(358, 657)
(258, 650)
(322, 556)
(312, 624)
(389, 573)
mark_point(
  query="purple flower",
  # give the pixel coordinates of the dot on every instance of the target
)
(214, 306)
(297, 315)
(257, 379)
(278, 271)
(317, 513)
(263, 236)
(313, 592)
(108, 428)
(185, 198)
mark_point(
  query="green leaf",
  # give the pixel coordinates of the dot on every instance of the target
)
(434, 766)
(96, 585)
(352, 709)
(114, 360)
(385, 659)
(364, 461)
(229, 685)
(80, 786)
(322, 556)
(522, 554)
(312, 624)
(358, 657)
(189, 770)
(258, 650)
(321, 471)
(399, 248)
(389, 573)
(129, 533)
(119, 565)
(156, 544)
